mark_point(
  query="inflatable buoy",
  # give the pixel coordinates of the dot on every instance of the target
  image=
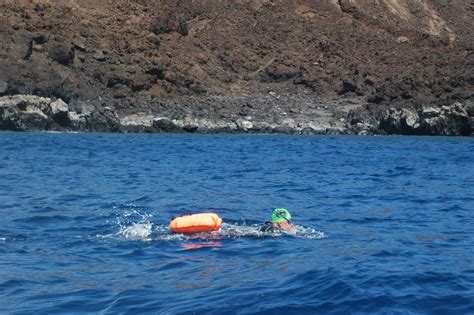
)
(194, 223)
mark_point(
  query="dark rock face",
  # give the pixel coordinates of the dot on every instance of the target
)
(350, 87)
(447, 120)
(167, 59)
(403, 121)
(61, 52)
(102, 121)
(26, 112)
(165, 124)
(23, 113)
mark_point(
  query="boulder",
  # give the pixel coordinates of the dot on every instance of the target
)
(263, 126)
(446, 120)
(289, 123)
(60, 113)
(102, 121)
(370, 80)
(61, 52)
(23, 112)
(362, 128)
(347, 87)
(315, 128)
(76, 121)
(190, 127)
(164, 124)
(400, 121)
(243, 124)
(26, 103)
(58, 106)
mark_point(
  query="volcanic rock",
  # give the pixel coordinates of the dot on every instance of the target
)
(446, 120)
(208, 61)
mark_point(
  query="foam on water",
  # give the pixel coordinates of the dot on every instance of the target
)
(242, 230)
(140, 231)
(135, 224)
(144, 231)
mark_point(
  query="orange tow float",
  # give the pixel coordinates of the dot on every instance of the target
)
(195, 223)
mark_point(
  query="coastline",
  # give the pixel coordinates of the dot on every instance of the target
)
(270, 113)
(300, 68)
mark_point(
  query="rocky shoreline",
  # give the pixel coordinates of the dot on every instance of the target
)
(229, 114)
(299, 67)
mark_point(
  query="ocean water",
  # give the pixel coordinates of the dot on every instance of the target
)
(384, 225)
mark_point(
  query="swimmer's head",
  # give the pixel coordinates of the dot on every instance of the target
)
(280, 215)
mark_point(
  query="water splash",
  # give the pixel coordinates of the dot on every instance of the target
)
(137, 231)
(308, 233)
(229, 230)
(239, 230)
(136, 224)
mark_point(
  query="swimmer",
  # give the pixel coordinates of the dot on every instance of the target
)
(281, 220)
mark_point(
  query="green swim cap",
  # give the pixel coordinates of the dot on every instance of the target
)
(280, 215)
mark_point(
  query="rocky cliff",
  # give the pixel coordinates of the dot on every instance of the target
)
(334, 66)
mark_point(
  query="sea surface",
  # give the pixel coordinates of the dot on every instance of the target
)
(384, 225)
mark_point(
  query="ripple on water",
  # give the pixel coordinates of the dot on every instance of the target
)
(382, 224)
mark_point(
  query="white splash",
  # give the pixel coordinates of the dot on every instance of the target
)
(308, 233)
(135, 225)
(164, 234)
(137, 231)
(235, 230)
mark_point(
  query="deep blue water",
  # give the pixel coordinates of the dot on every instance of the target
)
(384, 224)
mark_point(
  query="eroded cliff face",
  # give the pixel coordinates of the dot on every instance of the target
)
(395, 53)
